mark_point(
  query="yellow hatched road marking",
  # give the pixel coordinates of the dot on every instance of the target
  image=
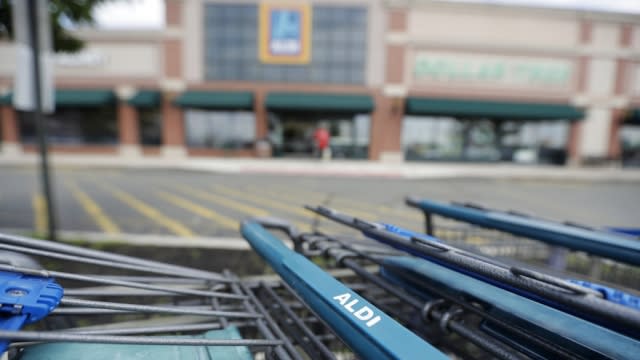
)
(199, 210)
(319, 200)
(93, 209)
(316, 198)
(272, 204)
(40, 221)
(362, 204)
(174, 226)
(220, 200)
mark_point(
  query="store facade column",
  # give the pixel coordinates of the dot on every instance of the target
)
(386, 129)
(173, 135)
(623, 73)
(128, 124)
(173, 144)
(261, 114)
(10, 131)
(574, 153)
(387, 118)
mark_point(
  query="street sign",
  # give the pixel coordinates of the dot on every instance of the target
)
(24, 87)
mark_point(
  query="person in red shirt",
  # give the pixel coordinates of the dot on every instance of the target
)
(322, 139)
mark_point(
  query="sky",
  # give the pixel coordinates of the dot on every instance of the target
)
(149, 14)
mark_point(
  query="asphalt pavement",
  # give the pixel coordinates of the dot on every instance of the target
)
(191, 204)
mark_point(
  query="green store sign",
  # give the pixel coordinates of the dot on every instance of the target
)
(496, 70)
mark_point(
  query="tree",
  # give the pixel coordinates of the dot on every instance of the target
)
(68, 12)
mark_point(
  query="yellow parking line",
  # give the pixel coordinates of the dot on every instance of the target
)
(364, 204)
(93, 209)
(316, 198)
(270, 203)
(220, 200)
(199, 210)
(174, 226)
(319, 200)
(40, 220)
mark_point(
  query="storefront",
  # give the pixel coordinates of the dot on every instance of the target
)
(629, 135)
(218, 121)
(293, 119)
(149, 120)
(472, 130)
(83, 117)
(391, 81)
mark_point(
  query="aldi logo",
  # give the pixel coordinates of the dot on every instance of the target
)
(360, 312)
(285, 33)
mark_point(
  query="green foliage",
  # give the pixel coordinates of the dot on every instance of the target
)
(68, 12)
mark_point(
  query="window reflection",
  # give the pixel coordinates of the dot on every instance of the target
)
(452, 139)
(220, 129)
(73, 126)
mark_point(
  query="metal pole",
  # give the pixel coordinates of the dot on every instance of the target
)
(40, 121)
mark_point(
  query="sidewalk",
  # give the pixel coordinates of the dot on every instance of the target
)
(337, 168)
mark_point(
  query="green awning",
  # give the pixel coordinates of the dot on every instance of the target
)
(6, 98)
(84, 97)
(145, 99)
(319, 102)
(632, 117)
(215, 100)
(75, 97)
(491, 109)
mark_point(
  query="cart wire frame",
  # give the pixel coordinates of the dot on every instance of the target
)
(292, 316)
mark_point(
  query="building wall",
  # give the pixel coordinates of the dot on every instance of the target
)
(418, 48)
(121, 57)
(587, 60)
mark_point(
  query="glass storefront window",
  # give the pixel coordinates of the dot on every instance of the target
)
(220, 129)
(338, 42)
(74, 126)
(630, 144)
(150, 127)
(451, 139)
(291, 134)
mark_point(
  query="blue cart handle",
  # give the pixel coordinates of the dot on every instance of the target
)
(369, 332)
(25, 299)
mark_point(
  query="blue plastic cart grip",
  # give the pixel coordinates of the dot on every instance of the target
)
(408, 233)
(369, 332)
(25, 299)
(611, 294)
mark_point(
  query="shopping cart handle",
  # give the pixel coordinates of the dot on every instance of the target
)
(369, 332)
(25, 299)
(615, 247)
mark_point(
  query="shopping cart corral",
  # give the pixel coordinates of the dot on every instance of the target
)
(387, 293)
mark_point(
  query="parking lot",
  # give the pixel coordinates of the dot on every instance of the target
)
(190, 204)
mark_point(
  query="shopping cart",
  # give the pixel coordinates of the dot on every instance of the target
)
(387, 293)
(610, 255)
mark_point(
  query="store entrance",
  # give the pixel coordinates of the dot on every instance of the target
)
(296, 136)
(292, 134)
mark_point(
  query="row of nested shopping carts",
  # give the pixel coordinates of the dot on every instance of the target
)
(476, 284)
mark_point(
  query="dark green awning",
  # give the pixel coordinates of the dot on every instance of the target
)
(76, 97)
(321, 102)
(84, 97)
(145, 99)
(215, 100)
(6, 99)
(632, 117)
(491, 109)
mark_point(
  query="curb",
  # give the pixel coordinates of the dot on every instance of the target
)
(218, 243)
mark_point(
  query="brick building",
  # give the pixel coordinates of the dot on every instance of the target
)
(391, 80)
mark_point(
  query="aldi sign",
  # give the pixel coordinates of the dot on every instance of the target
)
(285, 33)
